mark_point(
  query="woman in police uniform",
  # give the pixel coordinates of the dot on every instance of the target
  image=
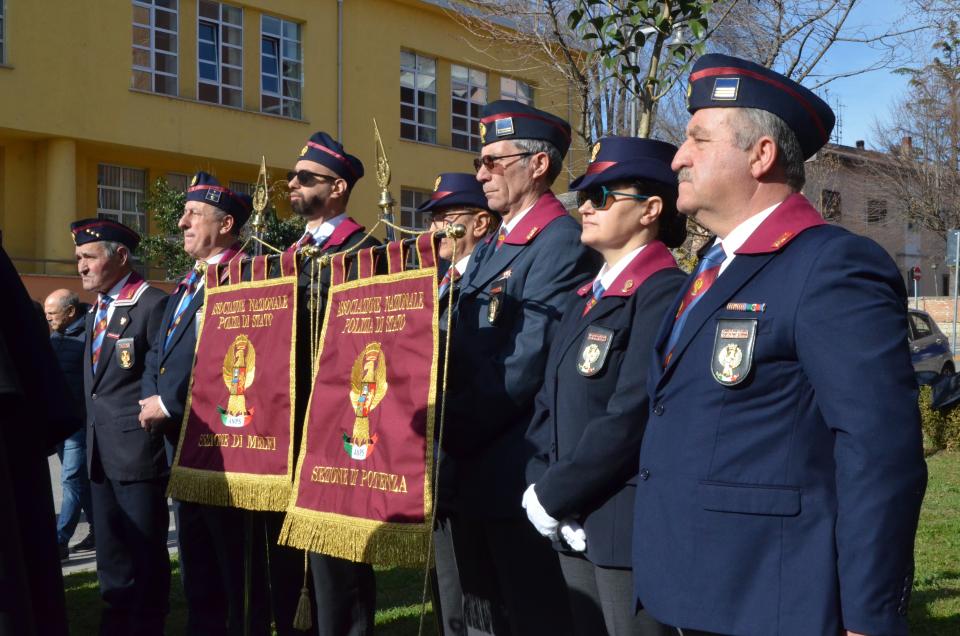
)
(593, 407)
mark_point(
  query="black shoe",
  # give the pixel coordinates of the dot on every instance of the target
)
(85, 545)
(64, 551)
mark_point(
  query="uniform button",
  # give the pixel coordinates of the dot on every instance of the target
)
(658, 409)
(163, 370)
(93, 397)
(644, 474)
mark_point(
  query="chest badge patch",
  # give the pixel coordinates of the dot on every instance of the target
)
(732, 356)
(125, 353)
(496, 302)
(593, 350)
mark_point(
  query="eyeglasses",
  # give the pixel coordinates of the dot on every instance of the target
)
(306, 178)
(446, 218)
(489, 161)
(601, 198)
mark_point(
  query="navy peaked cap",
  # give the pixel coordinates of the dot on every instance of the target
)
(93, 230)
(206, 189)
(616, 159)
(506, 119)
(722, 81)
(327, 151)
(456, 189)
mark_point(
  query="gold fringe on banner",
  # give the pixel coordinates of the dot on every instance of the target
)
(250, 492)
(358, 540)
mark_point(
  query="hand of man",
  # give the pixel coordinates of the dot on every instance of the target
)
(538, 516)
(573, 533)
(152, 416)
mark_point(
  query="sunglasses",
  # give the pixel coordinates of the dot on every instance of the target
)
(601, 198)
(306, 178)
(489, 161)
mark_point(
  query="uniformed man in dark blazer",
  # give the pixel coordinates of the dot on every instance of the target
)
(457, 198)
(127, 463)
(320, 186)
(782, 471)
(511, 302)
(593, 406)
(210, 538)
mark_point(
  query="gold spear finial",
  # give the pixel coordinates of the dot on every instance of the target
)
(260, 198)
(386, 201)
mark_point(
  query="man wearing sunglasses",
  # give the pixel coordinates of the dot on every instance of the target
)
(781, 471)
(515, 291)
(320, 185)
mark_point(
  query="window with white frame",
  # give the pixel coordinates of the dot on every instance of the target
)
(154, 46)
(468, 88)
(281, 67)
(418, 97)
(220, 53)
(177, 181)
(410, 200)
(242, 187)
(120, 192)
(516, 90)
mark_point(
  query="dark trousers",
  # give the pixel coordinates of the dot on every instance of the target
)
(132, 561)
(211, 542)
(285, 567)
(346, 594)
(602, 600)
(445, 581)
(511, 578)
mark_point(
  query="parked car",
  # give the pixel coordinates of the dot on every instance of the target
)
(929, 348)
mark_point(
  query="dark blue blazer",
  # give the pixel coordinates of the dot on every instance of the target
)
(497, 366)
(117, 446)
(587, 428)
(786, 503)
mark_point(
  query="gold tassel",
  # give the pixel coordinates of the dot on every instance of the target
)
(302, 620)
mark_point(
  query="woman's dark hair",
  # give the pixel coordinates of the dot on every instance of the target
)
(673, 225)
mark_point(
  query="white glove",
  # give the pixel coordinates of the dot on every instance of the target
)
(540, 518)
(572, 532)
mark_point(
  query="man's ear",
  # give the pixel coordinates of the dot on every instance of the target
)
(540, 163)
(763, 157)
(481, 224)
(339, 188)
(227, 224)
(124, 255)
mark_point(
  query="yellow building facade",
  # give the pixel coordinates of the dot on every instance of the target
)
(101, 99)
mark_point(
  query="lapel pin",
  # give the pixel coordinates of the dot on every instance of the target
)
(123, 320)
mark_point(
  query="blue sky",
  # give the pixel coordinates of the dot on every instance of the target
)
(865, 98)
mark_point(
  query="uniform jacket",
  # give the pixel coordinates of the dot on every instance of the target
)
(787, 501)
(68, 347)
(498, 353)
(167, 371)
(117, 446)
(591, 415)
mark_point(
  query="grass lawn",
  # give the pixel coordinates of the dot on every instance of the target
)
(934, 609)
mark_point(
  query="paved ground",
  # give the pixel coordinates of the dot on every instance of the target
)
(87, 561)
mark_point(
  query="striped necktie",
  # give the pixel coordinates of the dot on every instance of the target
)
(706, 274)
(501, 237)
(598, 290)
(99, 330)
(190, 283)
(451, 275)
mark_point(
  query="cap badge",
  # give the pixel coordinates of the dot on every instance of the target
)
(436, 184)
(689, 91)
(213, 196)
(725, 89)
(303, 151)
(193, 181)
(504, 126)
(628, 285)
(595, 152)
(483, 132)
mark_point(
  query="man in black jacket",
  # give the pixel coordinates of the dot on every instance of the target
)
(65, 315)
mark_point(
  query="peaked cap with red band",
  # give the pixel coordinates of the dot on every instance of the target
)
(616, 159)
(722, 81)
(327, 151)
(92, 230)
(456, 189)
(506, 119)
(205, 188)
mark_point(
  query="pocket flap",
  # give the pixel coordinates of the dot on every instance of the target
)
(751, 500)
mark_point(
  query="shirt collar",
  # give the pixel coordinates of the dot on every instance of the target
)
(461, 265)
(115, 290)
(608, 275)
(326, 228)
(515, 221)
(739, 235)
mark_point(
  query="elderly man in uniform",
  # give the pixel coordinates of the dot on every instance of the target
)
(782, 471)
(457, 198)
(210, 538)
(320, 186)
(513, 296)
(66, 316)
(127, 464)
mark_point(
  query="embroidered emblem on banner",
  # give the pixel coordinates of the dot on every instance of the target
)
(504, 126)
(125, 357)
(733, 345)
(725, 89)
(239, 369)
(593, 350)
(496, 304)
(368, 386)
